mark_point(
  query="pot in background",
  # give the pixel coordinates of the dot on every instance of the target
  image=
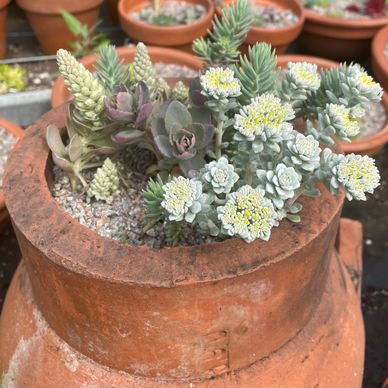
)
(48, 24)
(279, 38)
(379, 59)
(17, 132)
(221, 314)
(338, 38)
(181, 36)
(3, 27)
(60, 93)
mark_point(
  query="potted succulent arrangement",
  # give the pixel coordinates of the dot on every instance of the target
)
(3, 27)
(380, 57)
(173, 227)
(9, 134)
(277, 22)
(169, 65)
(342, 30)
(49, 26)
(167, 23)
(373, 133)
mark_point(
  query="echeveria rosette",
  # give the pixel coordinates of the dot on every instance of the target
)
(219, 175)
(183, 199)
(181, 135)
(264, 122)
(303, 152)
(130, 109)
(358, 175)
(248, 214)
(279, 184)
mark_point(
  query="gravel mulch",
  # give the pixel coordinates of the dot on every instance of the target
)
(269, 17)
(374, 120)
(7, 141)
(171, 70)
(171, 13)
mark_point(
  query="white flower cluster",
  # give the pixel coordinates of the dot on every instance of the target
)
(343, 121)
(363, 83)
(220, 83)
(304, 75)
(265, 116)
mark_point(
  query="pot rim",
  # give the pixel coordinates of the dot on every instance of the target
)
(79, 249)
(88, 61)
(342, 23)
(379, 42)
(170, 29)
(276, 31)
(31, 7)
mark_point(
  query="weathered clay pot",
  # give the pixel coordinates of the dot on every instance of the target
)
(16, 131)
(3, 27)
(48, 24)
(338, 38)
(177, 36)
(379, 59)
(367, 146)
(225, 314)
(279, 38)
(60, 93)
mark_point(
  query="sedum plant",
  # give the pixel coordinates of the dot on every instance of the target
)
(223, 155)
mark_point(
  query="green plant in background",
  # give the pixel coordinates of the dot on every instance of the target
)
(87, 40)
(12, 78)
(224, 155)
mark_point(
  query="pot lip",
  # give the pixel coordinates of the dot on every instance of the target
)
(171, 29)
(33, 7)
(67, 243)
(378, 44)
(4, 3)
(321, 62)
(276, 31)
(342, 23)
(59, 86)
(377, 140)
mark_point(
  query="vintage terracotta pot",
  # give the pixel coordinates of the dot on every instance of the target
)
(3, 27)
(48, 24)
(60, 93)
(367, 146)
(178, 36)
(16, 131)
(279, 38)
(379, 60)
(337, 38)
(230, 314)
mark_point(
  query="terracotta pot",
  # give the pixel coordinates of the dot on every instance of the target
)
(178, 36)
(158, 54)
(379, 60)
(3, 27)
(367, 146)
(48, 24)
(279, 38)
(337, 38)
(113, 10)
(223, 314)
(16, 131)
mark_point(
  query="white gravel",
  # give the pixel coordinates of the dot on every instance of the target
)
(269, 17)
(171, 70)
(374, 120)
(7, 141)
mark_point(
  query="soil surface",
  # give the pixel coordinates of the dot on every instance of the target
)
(171, 13)
(374, 120)
(265, 16)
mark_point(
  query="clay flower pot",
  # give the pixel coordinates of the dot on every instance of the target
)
(48, 24)
(3, 27)
(338, 38)
(279, 38)
(60, 93)
(367, 146)
(17, 132)
(229, 314)
(379, 59)
(177, 36)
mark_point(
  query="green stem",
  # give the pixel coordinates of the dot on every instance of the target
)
(219, 134)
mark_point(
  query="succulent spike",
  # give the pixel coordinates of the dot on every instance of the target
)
(88, 92)
(180, 92)
(142, 66)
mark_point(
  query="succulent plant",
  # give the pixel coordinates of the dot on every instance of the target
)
(105, 182)
(180, 92)
(142, 67)
(182, 135)
(12, 77)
